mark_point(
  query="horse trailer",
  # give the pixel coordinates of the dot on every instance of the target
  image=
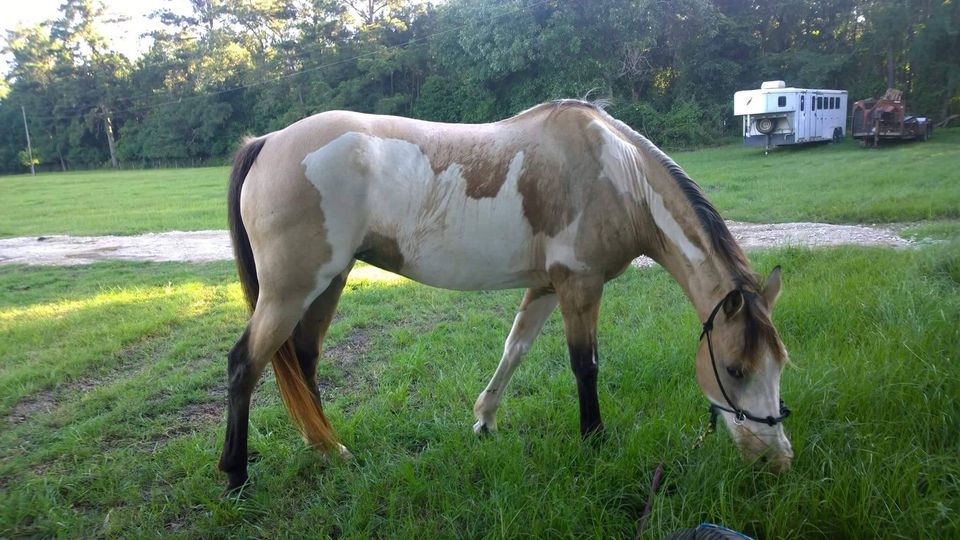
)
(776, 115)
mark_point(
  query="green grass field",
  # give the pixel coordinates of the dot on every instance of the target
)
(112, 380)
(111, 391)
(831, 183)
(841, 183)
(114, 202)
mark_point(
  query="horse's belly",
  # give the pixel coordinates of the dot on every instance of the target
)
(475, 248)
(472, 265)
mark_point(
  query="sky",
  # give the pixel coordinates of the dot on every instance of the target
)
(125, 37)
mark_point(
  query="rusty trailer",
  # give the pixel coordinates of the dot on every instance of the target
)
(887, 118)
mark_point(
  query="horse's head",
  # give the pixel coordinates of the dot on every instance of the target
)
(741, 374)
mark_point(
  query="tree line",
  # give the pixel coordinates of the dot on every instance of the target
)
(233, 67)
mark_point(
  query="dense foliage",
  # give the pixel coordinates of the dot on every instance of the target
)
(232, 67)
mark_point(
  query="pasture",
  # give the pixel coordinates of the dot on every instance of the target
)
(832, 183)
(112, 380)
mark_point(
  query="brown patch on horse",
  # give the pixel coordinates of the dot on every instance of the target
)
(556, 176)
(721, 240)
(759, 329)
(274, 230)
(381, 251)
(483, 168)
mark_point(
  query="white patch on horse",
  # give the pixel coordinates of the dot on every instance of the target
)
(559, 249)
(621, 164)
(450, 239)
(447, 238)
(336, 171)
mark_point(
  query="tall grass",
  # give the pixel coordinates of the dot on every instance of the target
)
(130, 359)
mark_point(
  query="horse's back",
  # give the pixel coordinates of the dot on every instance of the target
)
(472, 206)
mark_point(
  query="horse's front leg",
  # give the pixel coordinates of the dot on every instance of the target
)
(535, 309)
(579, 296)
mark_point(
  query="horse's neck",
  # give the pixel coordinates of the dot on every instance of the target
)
(704, 284)
(687, 250)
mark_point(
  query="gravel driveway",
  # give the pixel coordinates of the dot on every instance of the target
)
(204, 246)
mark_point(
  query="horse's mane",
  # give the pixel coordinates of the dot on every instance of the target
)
(756, 316)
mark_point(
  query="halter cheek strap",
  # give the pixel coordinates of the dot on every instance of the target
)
(739, 415)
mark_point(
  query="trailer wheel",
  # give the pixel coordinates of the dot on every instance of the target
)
(766, 125)
(837, 135)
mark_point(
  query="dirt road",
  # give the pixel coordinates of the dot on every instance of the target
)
(203, 246)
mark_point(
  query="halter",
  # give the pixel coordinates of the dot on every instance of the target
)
(740, 415)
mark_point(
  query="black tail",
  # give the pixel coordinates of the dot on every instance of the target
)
(242, 253)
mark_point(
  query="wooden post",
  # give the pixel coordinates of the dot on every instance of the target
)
(33, 171)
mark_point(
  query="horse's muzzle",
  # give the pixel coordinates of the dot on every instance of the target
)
(776, 455)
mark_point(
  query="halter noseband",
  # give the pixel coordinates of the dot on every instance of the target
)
(740, 415)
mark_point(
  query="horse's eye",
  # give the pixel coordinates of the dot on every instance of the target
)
(735, 371)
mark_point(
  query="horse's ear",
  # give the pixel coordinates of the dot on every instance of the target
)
(733, 303)
(771, 291)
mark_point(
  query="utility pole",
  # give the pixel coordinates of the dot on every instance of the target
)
(110, 143)
(33, 172)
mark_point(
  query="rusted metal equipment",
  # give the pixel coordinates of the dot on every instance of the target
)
(886, 118)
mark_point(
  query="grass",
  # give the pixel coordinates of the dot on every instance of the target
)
(932, 231)
(114, 202)
(112, 379)
(842, 183)
(832, 183)
(111, 391)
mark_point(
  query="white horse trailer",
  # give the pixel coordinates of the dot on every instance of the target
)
(776, 115)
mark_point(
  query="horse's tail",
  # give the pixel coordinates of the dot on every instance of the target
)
(242, 253)
(304, 408)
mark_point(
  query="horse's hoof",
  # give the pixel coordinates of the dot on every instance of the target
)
(482, 429)
(595, 436)
(237, 487)
(344, 453)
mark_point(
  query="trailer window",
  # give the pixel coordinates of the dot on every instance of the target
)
(833, 103)
(820, 102)
(782, 101)
(801, 101)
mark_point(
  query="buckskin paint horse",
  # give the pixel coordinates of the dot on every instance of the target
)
(558, 199)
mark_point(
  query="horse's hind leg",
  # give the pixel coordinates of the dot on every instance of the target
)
(268, 329)
(309, 333)
(536, 307)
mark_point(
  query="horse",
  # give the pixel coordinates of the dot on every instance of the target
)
(558, 200)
